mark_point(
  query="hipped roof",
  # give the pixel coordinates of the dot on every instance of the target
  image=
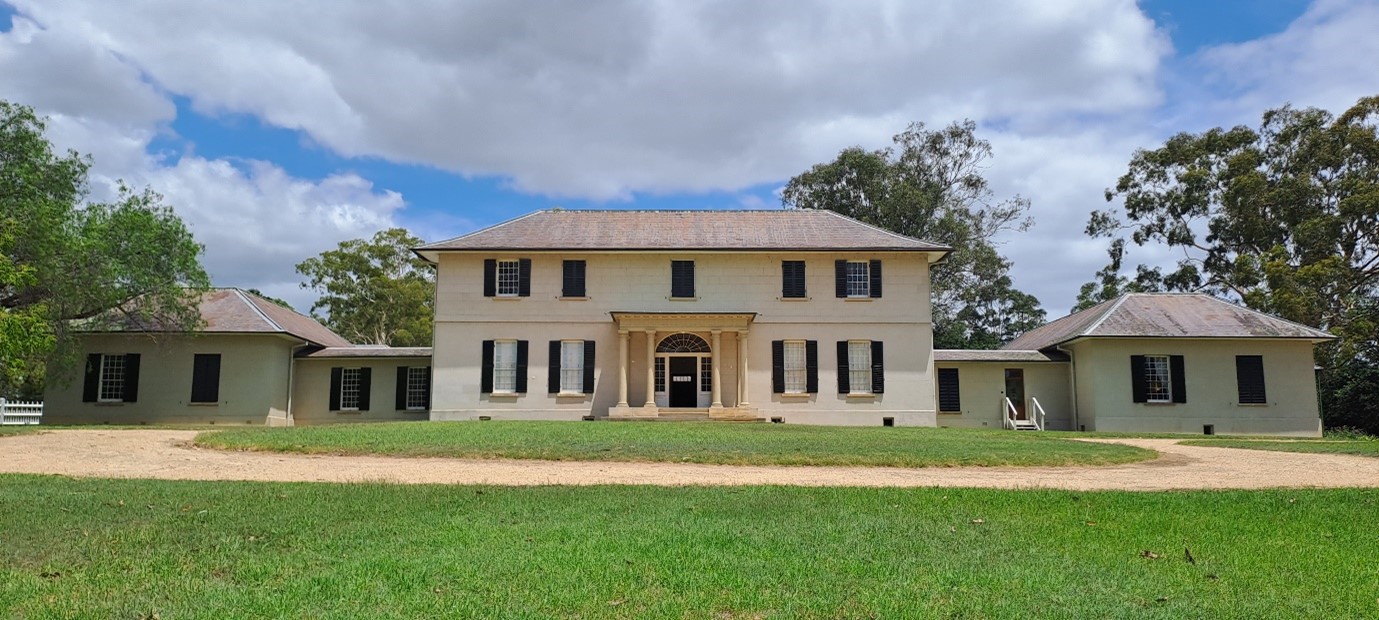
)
(1165, 315)
(616, 231)
(233, 311)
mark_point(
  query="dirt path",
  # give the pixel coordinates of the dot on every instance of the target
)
(169, 455)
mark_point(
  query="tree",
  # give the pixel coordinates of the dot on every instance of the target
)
(65, 261)
(929, 186)
(1284, 218)
(276, 300)
(374, 291)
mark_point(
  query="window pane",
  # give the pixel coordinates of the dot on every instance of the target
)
(509, 277)
(705, 374)
(416, 386)
(795, 373)
(112, 378)
(572, 366)
(858, 282)
(660, 374)
(349, 388)
(1158, 386)
(505, 366)
(859, 367)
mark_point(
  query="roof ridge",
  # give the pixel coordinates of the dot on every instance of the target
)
(1104, 315)
(875, 227)
(246, 296)
(488, 228)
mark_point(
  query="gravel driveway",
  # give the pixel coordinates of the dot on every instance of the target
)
(169, 455)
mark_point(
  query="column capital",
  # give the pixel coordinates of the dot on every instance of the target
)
(623, 332)
(715, 331)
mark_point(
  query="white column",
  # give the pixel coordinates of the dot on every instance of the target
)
(742, 401)
(650, 368)
(622, 367)
(717, 364)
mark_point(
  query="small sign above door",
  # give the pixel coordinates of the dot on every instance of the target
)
(682, 378)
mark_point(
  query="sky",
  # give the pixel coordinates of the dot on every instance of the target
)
(277, 130)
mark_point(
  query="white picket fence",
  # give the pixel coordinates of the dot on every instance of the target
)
(20, 412)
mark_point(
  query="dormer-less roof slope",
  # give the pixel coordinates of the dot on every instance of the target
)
(795, 229)
(232, 311)
(1165, 315)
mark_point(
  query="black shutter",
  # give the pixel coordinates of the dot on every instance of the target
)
(1139, 388)
(486, 370)
(874, 277)
(1249, 379)
(840, 278)
(521, 387)
(335, 388)
(573, 281)
(843, 387)
(365, 377)
(1175, 369)
(878, 369)
(90, 389)
(588, 366)
(811, 363)
(524, 277)
(205, 377)
(490, 277)
(131, 377)
(426, 401)
(778, 366)
(400, 399)
(949, 396)
(553, 369)
(792, 279)
(682, 278)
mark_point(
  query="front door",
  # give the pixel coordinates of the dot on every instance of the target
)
(1015, 390)
(684, 386)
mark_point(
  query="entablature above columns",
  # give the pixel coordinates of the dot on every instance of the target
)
(683, 321)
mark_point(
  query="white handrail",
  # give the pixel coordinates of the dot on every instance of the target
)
(1038, 413)
(1010, 414)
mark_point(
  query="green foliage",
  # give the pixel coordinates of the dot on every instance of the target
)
(929, 186)
(374, 291)
(80, 548)
(1284, 218)
(735, 444)
(64, 260)
(280, 302)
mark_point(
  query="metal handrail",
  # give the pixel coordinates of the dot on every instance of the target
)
(1039, 413)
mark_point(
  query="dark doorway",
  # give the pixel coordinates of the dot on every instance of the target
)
(1015, 390)
(684, 385)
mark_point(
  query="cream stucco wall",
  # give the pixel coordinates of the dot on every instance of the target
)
(725, 282)
(981, 390)
(1104, 387)
(253, 381)
(311, 390)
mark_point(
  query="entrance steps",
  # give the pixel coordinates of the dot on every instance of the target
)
(666, 414)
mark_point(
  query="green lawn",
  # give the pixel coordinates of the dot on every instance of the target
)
(1360, 447)
(81, 548)
(695, 442)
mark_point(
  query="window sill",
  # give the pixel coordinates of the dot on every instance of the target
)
(215, 404)
(585, 298)
(795, 396)
(508, 396)
(683, 298)
(950, 413)
(110, 403)
(794, 298)
(415, 410)
(861, 396)
(572, 396)
(1252, 404)
(1159, 404)
(349, 412)
(505, 297)
(866, 299)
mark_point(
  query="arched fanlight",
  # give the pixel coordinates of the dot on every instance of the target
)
(683, 343)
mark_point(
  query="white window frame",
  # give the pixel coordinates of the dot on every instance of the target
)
(571, 366)
(705, 374)
(509, 277)
(858, 279)
(1158, 379)
(796, 367)
(111, 387)
(416, 387)
(504, 367)
(350, 380)
(859, 366)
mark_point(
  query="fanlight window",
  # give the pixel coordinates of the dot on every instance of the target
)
(683, 343)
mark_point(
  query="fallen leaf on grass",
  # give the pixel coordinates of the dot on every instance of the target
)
(615, 602)
(1149, 554)
(1091, 524)
(979, 521)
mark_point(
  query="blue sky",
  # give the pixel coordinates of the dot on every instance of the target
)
(278, 131)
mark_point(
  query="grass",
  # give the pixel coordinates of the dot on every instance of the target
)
(143, 549)
(1359, 447)
(738, 444)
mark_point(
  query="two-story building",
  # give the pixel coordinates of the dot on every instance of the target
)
(799, 316)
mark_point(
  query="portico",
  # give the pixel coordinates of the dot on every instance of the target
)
(679, 367)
